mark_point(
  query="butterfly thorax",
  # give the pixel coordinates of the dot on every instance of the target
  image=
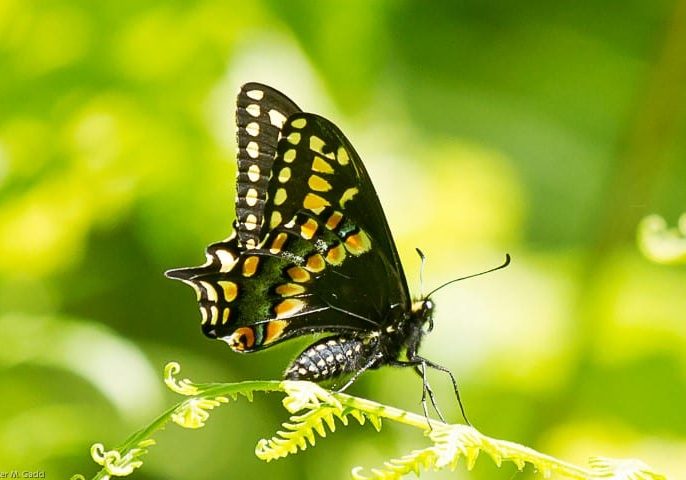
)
(407, 334)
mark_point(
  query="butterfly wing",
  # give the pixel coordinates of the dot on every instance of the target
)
(317, 170)
(323, 257)
(261, 112)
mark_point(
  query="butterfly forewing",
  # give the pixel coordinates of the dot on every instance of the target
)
(260, 114)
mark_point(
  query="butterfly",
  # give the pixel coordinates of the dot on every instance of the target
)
(310, 252)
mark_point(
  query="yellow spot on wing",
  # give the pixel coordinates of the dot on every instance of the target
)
(255, 94)
(230, 290)
(343, 157)
(253, 150)
(250, 266)
(288, 308)
(318, 184)
(214, 315)
(294, 138)
(280, 196)
(225, 315)
(315, 203)
(316, 144)
(276, 118)
(289, 155)
(253, 129)
(348, 195)
(275, 221)
(203, 315)
(285, 174)
(299, 123)
(321, 166)
(274, 330)
(253, 110)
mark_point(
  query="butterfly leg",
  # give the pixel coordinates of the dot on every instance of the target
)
(436, 366)
(421, 371)
(419, 366)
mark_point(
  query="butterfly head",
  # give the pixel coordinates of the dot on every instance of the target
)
(422, 312)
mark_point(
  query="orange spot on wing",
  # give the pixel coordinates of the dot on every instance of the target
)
(242, 339)
(288, 308)
(290, 289)
(274, 330)
(309, 228)
(358, 243)
(315, 263)
(336, 255)
(278, 242)
(230, 290)
(298, 274)
(250, 266)
(334, 220)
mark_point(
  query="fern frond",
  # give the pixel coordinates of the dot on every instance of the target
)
(413, 462)
(622, 469)
(304, 428)
(298, 432)
(193, 412)
(453, 442)
(315, 412)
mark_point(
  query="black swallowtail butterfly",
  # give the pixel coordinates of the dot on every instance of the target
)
(310, 252)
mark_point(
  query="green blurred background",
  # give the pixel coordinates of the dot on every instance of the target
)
(544, 130)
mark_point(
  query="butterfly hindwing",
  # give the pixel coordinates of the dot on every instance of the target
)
(317, 170)
(301, 279)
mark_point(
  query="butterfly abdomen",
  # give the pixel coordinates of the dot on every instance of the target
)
(331, 358)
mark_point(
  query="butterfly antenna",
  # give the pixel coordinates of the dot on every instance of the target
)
(505, 264)
(422, 258)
